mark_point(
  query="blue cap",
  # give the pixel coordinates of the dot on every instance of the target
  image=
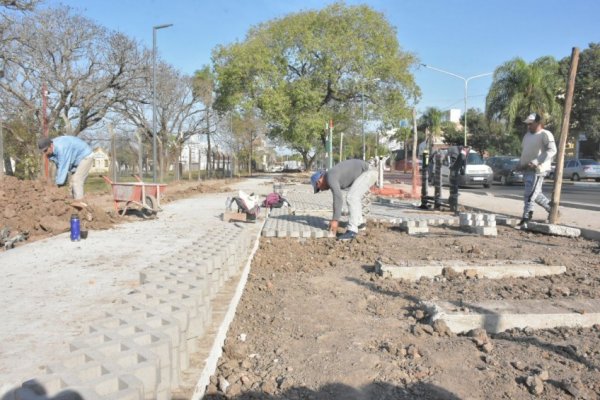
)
(315, 178)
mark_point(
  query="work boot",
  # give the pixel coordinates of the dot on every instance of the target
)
(525, 219)
(362, 227)
(348, 235)
(79, 204)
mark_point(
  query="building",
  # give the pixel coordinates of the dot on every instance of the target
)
(101, 162)
(193, 154)
(452, 115)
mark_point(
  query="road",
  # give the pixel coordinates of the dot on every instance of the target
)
(581, 195)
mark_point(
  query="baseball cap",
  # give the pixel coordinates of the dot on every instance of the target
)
(314, 179)
(44, 143)
(533, 117)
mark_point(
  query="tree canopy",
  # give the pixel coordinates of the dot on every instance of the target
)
(305, 68)
(520, 88)
(586, 96)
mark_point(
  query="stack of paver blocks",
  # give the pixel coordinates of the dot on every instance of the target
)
(415, 227)
(481, 224)
(141, 346)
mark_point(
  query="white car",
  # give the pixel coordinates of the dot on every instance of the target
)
(476, 172)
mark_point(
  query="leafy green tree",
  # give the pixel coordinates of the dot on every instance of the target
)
(305, 68)
(19, 143)
(452, 134)
(585, 117)
(519, 88)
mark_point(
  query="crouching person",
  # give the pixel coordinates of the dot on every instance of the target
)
(69, 154)
(356, 176)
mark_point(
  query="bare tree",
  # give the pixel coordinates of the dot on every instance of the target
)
(180, 112)
(7, 7)
(20, 5)
(86, 68)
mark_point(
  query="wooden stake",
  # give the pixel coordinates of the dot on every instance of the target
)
(564, 132)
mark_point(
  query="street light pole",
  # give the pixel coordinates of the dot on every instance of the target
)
(154, 161)
(466, 80)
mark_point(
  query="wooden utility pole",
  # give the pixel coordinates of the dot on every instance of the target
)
(113, 152)
(564, 132)
(45, 128)
(415, 162)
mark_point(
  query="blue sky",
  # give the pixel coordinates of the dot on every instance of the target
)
(465, 37)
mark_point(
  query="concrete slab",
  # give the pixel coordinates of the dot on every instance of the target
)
(414, 271)
(552, 229)
(499, 315)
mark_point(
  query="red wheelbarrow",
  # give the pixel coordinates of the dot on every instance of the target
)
(138, 195)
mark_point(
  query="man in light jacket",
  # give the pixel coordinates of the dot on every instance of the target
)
(536, 159)
(70, 155)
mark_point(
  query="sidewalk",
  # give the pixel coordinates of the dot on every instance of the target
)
(585, 220)
(72, 309)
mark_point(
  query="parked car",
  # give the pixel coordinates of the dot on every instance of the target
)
(476, 172)
(583, 168)
(550, 174)
(505, 169)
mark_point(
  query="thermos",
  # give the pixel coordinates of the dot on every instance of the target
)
(75, 228)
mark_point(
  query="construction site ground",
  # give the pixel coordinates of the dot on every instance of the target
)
(315, 319)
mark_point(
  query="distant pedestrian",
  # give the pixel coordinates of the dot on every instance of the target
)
(70, 155)
(358, 177)
(536, 159)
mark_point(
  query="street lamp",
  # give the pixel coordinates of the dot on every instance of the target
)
(466, 80)
(154, 29)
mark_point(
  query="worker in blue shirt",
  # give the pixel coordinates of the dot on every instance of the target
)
(70, 155)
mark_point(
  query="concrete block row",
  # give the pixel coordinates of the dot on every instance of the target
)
(414, 227)
(295, 226)
(140, 347)
(481, 224)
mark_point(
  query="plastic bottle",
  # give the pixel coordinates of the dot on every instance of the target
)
(75, 228)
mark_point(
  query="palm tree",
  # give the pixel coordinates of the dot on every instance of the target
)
(520, 88)
(431, 121)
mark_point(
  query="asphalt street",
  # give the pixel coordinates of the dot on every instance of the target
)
(581, 195)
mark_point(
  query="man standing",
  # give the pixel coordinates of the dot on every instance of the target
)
(69, 154)
(536, 158)
(358, 177)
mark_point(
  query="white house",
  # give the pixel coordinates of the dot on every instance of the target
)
(192, 153)
(101, 162)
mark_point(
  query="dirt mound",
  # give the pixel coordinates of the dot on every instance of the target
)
(42, 209)
(39, 209)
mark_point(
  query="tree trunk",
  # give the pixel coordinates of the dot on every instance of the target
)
(208, 152)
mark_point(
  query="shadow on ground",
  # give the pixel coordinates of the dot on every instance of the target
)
(376, 390)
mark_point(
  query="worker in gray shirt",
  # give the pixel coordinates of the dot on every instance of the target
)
(356, 176)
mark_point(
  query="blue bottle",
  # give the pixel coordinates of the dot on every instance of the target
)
(75, 228)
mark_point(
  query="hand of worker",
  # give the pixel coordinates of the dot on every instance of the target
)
(333, 226)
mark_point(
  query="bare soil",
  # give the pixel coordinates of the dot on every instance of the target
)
(316, 322)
